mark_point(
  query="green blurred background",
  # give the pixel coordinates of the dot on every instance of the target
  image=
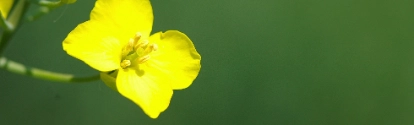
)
(319, 62)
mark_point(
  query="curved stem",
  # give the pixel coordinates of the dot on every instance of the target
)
(12, 23)
(21, 69)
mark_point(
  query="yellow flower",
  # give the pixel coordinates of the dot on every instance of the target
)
(143, 68)
(5, 6)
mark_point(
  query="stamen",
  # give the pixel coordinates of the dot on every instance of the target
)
(150, 48)
(125, 63)
(128, 48)
(137, 50)
(143, 59)
(131, 44)
(154, 47)
(141, 44)
(144, 43)
(136, 39)
(137, 36)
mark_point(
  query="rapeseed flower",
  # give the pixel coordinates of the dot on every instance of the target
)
(142, 67)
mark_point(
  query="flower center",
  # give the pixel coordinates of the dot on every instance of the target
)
(137, 51)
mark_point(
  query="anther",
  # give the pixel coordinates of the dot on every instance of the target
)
(137, 36)
(154, 47)
(143, 59)
(131, 42)
(144, 43)
(136, 39)
(125, 63)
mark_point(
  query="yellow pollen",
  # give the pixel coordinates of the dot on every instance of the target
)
(125, 63)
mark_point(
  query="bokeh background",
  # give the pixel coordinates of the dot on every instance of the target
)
(287, 62)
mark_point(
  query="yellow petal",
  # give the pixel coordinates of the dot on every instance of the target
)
(176, 57)
(94, 44)
(99, 41)
(5, 6)
(151, 93)
(130, 16)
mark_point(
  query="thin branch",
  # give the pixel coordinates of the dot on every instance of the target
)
(21, 69)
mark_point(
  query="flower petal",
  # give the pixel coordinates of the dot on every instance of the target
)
(130, 16)
(99, 41)
(176, 57)
(94, 44)
(5, 6)
(151, 93)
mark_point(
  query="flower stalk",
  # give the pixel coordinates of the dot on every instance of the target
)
(9, 25)
(12, 23)
(21, 69)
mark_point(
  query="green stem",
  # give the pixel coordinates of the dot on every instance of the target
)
(21, 69)
(4, 24)
(13, 22)
(10, 25)
(16, 14)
